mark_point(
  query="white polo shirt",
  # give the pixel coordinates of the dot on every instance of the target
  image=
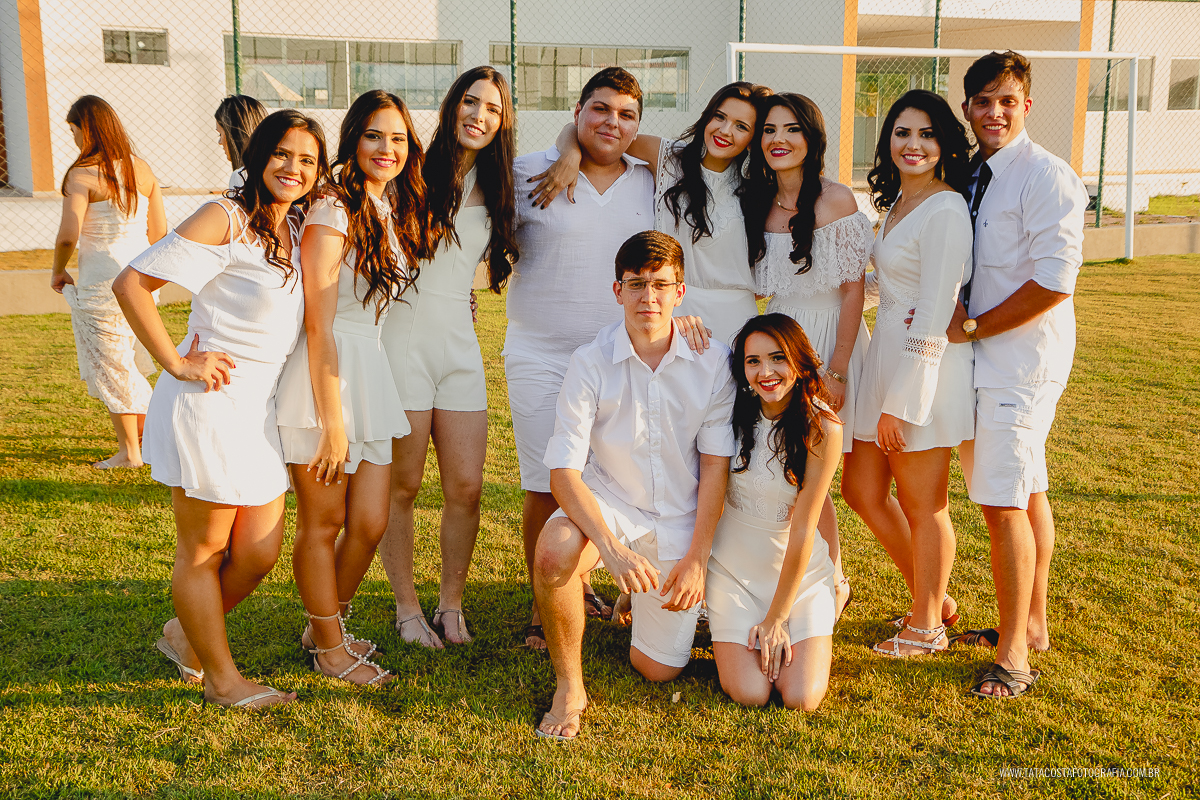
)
(560, 293)
(636, 434)
(1030, 226)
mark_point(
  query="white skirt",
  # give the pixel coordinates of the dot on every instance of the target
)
(743, 573)
(223, 446)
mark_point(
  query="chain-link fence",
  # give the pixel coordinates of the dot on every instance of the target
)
(166, 66)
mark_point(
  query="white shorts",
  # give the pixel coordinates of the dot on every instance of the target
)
(533, 388)
(665, 636)
(300, 445)
(1006, 463)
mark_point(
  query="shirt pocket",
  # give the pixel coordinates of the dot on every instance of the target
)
(998, 244)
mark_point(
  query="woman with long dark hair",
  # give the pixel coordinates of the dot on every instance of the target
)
(770, 584)
(211, 430)
(237, 116)
(338, 404)
(434, 352)
(113, 210)
(916, 396)
(810, 245)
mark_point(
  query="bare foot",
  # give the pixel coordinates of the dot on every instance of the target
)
(1038, 638)
(562, 720)
(118, 462)
(243, 690)
(173, 633)
(413, 629)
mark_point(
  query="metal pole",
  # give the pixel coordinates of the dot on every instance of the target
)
(512, 55)
(741, 68)
(1112, 33)
(237, 49)
(937, 40)
(1129, 173)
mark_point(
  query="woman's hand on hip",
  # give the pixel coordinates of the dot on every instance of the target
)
(210, 368)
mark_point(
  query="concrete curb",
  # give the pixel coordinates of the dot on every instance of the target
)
(1105, 244)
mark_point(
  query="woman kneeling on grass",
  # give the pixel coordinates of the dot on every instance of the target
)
(211, 432)
(338, 404)
(770, 580)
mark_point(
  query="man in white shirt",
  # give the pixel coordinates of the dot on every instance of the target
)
(1027, 207)
(557, 294)
(639, 461)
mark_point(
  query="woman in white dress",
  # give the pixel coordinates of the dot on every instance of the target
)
(337, 401)
(112, 210)
(433, 350)
(211, 431)
(698, 179)
(770, 584)
(916, 396)
(237, 117)
(809, 245)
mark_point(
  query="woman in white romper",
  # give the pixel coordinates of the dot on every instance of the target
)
(211, 432)
(770, 584)
(434, 354)
(810, 245)
(337, 402)
(916, 397)
(112, 210)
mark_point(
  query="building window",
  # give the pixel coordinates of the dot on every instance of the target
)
(135, 47)
(1118, 85)
(550, 77)
(420, 72)
(1184, 94)
(879, 82)
(323, 73)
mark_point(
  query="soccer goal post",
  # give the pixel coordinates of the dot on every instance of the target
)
(736, 49)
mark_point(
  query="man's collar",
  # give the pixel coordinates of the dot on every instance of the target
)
(623, 346)
(1008, 154)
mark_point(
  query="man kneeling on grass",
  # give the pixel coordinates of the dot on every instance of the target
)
(639, 461)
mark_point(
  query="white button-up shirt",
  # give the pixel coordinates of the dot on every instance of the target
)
(560, 293)
(1030, 226)
(636, 434)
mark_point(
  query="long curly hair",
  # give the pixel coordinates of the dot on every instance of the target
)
(106, 147)
(758, 191)
(954, 165)
(688, 197)
(256, 199)
(444, 175)
(379, 267)
(798, 429)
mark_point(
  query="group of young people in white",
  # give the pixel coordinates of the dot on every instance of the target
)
(664, 429)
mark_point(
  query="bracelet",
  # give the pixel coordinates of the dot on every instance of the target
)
(837, 376)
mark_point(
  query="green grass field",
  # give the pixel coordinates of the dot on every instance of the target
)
(88, 708)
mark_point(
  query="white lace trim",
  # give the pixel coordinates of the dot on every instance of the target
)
(761, 490)
(891, 304)
(928, 349)
(840, 252)
(724, 210)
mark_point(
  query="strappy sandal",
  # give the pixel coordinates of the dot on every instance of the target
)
(363, 647)
(949, 622)
(359, 661)
(984, 637)
(1018, 682)
(535, 631)
(248, 703)
(186, 674)
(440, 627)
(572, 717)
(896, 642)
(598, 604)
(400, 623)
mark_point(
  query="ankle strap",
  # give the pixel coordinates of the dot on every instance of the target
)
(938, 629)
(314, 616)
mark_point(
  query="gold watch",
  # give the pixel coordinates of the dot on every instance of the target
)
(969, 328)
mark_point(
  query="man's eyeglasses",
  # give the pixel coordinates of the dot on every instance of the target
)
(638, 284)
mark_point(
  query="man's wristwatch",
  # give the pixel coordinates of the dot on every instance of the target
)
(969, 328)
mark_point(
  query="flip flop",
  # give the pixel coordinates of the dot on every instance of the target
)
(532, 631)
(1018, 682)
(247, 703)
(186, 674)
(984, 637)
(571, 717)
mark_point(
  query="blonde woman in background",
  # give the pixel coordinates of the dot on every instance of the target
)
(112, 210)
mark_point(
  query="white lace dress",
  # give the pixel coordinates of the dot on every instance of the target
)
(912, 371)
(372, 413)
(840, 252)
(748, 550)
(111, 359)
(223, 446)
(720, 285)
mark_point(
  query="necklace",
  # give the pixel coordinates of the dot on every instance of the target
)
(908, 202)
(785, 208)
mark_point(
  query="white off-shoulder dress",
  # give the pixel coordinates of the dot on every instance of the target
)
(430, 339)
(748, 549)
(223, 446)
(913, 372)
(112, 361)
(840, 252)
(720, 285)
(372, 412)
